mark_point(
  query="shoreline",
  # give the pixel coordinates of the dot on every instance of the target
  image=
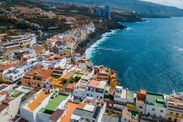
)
(90, 48)
(97, 35)
(97, 38)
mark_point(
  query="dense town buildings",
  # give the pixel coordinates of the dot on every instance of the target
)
(59, 85)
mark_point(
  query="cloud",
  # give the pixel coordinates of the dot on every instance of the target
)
(176, 3)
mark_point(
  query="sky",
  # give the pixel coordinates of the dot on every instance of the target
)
(176, 3)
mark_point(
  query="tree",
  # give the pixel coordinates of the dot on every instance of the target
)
(45, 46)
(5, 57)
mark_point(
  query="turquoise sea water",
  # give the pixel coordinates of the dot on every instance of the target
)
(147, 55)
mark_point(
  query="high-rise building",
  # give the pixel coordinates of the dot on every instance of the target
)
(98, 12)
(107, 12)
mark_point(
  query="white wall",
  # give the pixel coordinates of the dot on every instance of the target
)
(31, 115)
(11, 110)
(42, 117)
(156, 112)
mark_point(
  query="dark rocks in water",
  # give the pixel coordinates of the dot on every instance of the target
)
(101, 28)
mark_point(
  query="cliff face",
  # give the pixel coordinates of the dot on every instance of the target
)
(101, 28)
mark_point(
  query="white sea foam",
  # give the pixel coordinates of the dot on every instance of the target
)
(109, 49)
(129, 28)
(178, 48)
(92, 48)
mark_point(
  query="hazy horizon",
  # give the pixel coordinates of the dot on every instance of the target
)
(175, 3)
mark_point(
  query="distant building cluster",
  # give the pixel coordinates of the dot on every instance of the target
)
(53, 83)
(104, 12)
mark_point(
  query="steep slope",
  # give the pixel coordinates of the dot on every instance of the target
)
(147, 9)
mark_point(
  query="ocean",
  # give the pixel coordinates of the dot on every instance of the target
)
(147, 55)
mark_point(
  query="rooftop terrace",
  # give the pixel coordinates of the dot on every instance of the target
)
(130, 94)
(14, 93)
(155, 99)
(94, 83)
(54, 103)
(37, 101)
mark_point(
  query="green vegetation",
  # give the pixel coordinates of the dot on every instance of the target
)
(107, 96)
(15, 93)
(13, 23)
(54, 103)
(112, 112)
(76, 77)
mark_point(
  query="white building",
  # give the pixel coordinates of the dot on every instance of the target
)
(54, 63)
(89, 112)
(26, 53)
(174, 108)
(96, 89)
(15, 73)
(30, 108)
(80, 89)
(10, 108)
(57, 100)
(27, 39)
(155, 105)
(120, 97)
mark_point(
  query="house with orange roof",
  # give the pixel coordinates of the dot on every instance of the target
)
(96, 89)
(70, 108)
(54, 109)
(101, 73)
(140, 100)
(29, 109)
(7, 66)
(68, 76)
(37, 77)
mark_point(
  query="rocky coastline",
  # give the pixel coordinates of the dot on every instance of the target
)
(100, 29)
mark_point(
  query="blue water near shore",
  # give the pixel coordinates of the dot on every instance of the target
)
(147, 55)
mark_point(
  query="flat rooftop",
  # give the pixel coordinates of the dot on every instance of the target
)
(54, 103)
(37, 101)
(39, 74)
(68, 75)
(124, 94)
(15, 93)
(70, 110)
(155, 99)
(97, 84)
(130, 94)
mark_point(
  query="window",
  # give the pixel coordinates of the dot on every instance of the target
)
(171, 112)
(177, 114)
(141, 107)
(161, 111)
(101, 97)
(87, 95)
(153, 109)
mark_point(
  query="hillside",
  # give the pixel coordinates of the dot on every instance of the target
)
(147, 9)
